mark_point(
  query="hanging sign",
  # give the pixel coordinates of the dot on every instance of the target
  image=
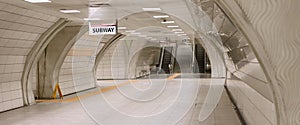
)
(102, 29)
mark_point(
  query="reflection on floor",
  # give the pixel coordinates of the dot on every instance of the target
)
(132, 107)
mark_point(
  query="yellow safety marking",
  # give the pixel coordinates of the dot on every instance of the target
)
(57, 88)
(106, 80)
(173, 76)
(73, 99)
(102, 90)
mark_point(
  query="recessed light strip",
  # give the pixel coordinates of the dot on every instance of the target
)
(176, 30)
(151, 9)
(161, 16)
(91, 19)
(167, 22)
(173, 26)
(69, 11)
(122, 28)
(179, 32)
(38, 1)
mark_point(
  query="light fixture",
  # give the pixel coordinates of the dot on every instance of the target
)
(167, 22)
(38, 1)
(179, 32)
(187, 38)
(87, 19)
(161, 16)
(97, 5)
(122, 28)
(151, 9)
(173, 26)
(69, 11)
(176, 30)
(182, 34)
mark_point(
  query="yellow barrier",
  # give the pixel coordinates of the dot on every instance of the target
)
(57, 88)
(102, 90)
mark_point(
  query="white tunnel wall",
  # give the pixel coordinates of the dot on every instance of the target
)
(273, 30)
(115, 62)
(107, 67)
(252, 94)
(255, 108)
(77, 72)
(19, 29)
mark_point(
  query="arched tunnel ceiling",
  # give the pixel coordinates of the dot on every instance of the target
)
(114, 9)
(143, 20)
(226, 29)
(118, 8)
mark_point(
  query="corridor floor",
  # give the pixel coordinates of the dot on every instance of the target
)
(134, 102)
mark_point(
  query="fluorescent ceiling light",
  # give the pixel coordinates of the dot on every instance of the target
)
(179, 32)
(108, 24)
(176, 30)
(69, 11)
(122, 28)
(186, 38)
(161, 16)
(151, 9)
(38, 1)
(183, 34)
(173, 26)
(91, 19)
(166, 22)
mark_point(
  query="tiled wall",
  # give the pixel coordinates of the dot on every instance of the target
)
(113, 63)
(77, 73)
(119, 60)
(255, 108)
(19, 30)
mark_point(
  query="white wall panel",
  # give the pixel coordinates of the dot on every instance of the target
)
(272, 27)
(77, 73)
(20, 28)
(255, 108)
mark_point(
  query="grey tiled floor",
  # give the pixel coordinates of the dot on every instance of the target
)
(74, 113)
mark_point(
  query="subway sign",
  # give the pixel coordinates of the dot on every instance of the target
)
(102, 29)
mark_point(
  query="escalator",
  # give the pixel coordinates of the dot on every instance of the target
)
(167, 59)
(200, 58)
